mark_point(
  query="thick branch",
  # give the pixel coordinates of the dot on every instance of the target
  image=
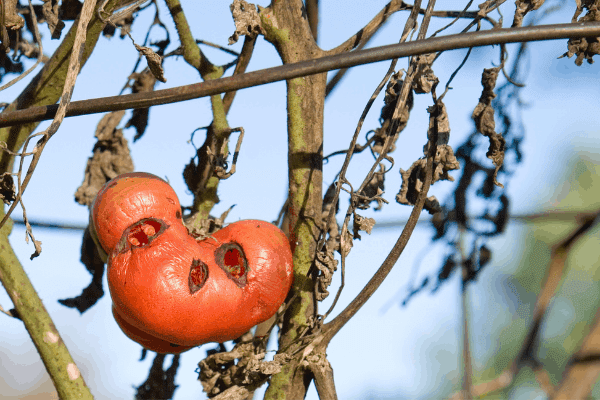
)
(45, 88)
(304, 68)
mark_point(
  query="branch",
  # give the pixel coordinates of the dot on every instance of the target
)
(526, 354)
(361, 37)
(312, 12)
(583, 368)
(304, 68)
(240, 68)
(65, 375)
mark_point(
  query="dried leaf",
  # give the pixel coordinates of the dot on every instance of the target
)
(91, 259)
(29, 234)
(346, 243)
(443, 162)
(362, 224)
(373, 191)
(483, 115)
(8, 191)
(246, 19)
(69, 10)
(425, 80)
(523, 7)
(327, 265)
(55, 25)
(160, 383)
(142, 82)
(154, 62)
(584, 48)
(110, 158)
(242, 367)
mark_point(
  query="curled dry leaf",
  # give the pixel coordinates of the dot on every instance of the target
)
(142, 82)
(373, 191)
(325, 260)
(7, 188)
(443, 162)
(154, 62)
(243, 366)
(425, 80)
(110, 158)
(523, 7)
(392, 93)
(584, 48)
(362, 224)
(51, 10)
(327, 265)
(483, 115)
(91, 258)
(160, 383)
(246, 19)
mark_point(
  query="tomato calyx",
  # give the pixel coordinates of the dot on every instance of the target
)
(141, 234)
(230, 257)
(198, 275)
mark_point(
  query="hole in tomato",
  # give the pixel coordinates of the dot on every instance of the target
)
(230, 257)
(198, 275)
(142, 232)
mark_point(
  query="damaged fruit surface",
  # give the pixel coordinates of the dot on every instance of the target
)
(171, 292)
(129, 198)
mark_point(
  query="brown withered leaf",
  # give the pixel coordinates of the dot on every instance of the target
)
(584, 48)
(160, 383)
(91, 259)
(483, 115)
(243, 366)
(362, 224)
(523, 7)
(246, 19)
(443, 162)
(8, 191)
(110, 158)
(154, 62)
(51, 10)
(425, 80)
(327, 265)
(142, 82)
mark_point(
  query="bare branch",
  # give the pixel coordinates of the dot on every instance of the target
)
(304, 68)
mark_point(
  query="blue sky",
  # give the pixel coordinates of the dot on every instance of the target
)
(409, 352)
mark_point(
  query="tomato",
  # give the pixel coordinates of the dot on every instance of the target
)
(171, 292)
(127, 199)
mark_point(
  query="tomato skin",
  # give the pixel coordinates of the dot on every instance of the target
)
(126, 199)
(146, 340)
(271, 271)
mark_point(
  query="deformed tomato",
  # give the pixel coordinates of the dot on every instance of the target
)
(171, 292)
